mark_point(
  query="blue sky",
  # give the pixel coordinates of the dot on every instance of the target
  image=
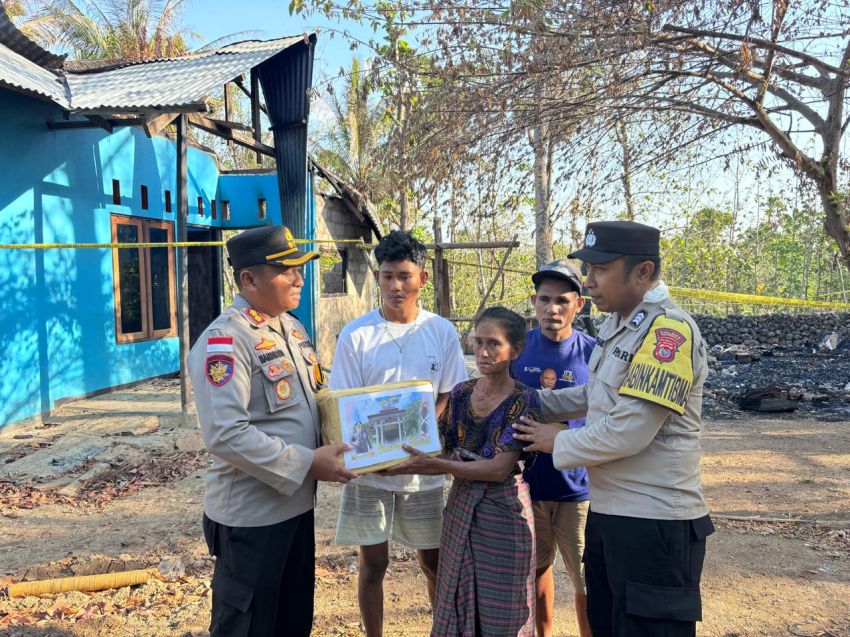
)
(213, 19)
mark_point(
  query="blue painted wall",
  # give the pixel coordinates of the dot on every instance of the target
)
(57, 333)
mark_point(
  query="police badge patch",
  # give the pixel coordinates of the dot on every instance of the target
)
(667, 342)
(265, 344)
(638, 319)
(219, 369)
(274, 371)
(283, 389)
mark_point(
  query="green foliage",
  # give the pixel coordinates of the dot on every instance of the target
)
(352, 147)
(785, 253)
(110, 29)
(410, 423)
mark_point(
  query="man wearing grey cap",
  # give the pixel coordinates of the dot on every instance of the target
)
(648, 521)
(254, 372)
(555, 356)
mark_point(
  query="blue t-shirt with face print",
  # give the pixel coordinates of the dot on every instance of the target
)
(552, 364)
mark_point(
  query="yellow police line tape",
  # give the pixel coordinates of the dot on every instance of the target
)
(705, 295)
(730, 297)
(755, 299)
(172, 244)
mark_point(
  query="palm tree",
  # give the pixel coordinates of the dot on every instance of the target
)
(130, 30)
(351, 146)
(27, 17)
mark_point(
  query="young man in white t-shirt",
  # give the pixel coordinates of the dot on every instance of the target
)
(398, 342)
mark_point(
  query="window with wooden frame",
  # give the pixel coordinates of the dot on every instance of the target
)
(143, 280)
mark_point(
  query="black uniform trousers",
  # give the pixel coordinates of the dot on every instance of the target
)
(264, 578)
(643, 575)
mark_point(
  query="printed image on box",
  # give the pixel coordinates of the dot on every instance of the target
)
(378, 423)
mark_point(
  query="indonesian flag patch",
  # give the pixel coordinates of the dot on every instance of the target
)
(219, 344)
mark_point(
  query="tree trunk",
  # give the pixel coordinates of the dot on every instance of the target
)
(623, 139)
(540, 143)
(403, 210)
(836, 215)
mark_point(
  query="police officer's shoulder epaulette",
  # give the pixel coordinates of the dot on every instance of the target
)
(676, 313)
(662, 370)
(228, 319)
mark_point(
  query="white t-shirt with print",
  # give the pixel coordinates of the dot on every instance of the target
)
(367, 355)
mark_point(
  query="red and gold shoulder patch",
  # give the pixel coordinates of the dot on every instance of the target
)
(219, 369)
(667, 342)
(254, 316)
(298, 335)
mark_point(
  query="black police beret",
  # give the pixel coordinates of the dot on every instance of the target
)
(605, 241)
(267, 244)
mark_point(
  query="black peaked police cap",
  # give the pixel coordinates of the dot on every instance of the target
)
(267, 244)
(605, 241)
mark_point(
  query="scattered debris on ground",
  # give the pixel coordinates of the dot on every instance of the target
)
(116, 484)
(834, 542)
(777, 379)
(117, 481)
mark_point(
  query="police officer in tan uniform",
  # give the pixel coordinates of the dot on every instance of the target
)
(254, 372)
(648, 521)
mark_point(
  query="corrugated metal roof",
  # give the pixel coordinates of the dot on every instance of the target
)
(17, 72)
(155, 84)
(14, 39)
(161, 84)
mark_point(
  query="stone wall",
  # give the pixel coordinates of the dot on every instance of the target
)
(336, 221)
(788, 330)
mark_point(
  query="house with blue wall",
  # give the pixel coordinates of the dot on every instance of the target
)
(87, 159)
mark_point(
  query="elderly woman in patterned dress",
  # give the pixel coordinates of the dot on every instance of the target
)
(485, 577)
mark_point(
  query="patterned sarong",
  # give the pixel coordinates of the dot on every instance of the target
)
(485, 580)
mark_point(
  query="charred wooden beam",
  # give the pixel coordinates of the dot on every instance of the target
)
(158, 123)
(238, 82)
(105, 123)
(208, 125)
(227, 105)
(102, 122)
(255, 111)
(223, 123)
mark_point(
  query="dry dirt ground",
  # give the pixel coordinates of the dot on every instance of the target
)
(116, 482)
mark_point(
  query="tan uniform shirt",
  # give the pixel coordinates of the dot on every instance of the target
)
(641, 441)
(254, 381)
